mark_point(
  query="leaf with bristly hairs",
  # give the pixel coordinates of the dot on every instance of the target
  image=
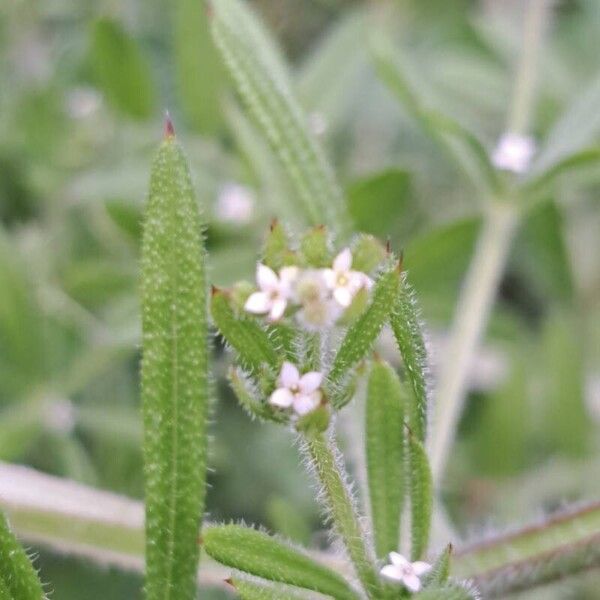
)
(261, 555)
(385, 451)
(175, 390)
(250, 590)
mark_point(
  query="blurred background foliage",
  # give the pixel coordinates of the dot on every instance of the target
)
(82, 94)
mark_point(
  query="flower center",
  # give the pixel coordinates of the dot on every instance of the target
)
(342, 280)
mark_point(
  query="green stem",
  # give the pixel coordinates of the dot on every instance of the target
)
(471, 316)
(322, 455)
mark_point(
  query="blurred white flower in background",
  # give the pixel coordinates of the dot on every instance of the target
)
(317, 124)
(83, 102)
(401, 570)
(514, 152)
(59, 415)
(235, 204)
(319, 310)
(301, 393)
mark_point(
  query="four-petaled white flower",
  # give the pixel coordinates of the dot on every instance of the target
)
(342, 281)
(403, 571)
(301, 393)
(513, 152)
(275, 292)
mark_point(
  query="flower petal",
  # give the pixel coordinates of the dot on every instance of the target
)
(343, 261)
(421, 567)
(258, 303)
(412, 582)
(289, 376)
(277, 308)
(398, 560)
(305, 403)
(329, 277)
(310, 382)
(266, 278)
(288, 274)
(391, 572)
(282, 397)
(343, 296)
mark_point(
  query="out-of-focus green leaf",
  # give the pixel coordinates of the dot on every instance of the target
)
(200, 75)
(121, 70)
(564, 420)
(250, 590)
(382, 204)
(541, 255)
(127, 216)
(257, 553)
(575, 130)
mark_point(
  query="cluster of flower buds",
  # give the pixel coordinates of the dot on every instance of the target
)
(322, 295)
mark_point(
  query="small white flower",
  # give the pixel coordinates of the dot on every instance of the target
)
(403, 571)
(235, 204)
(514, 152)
(319, 310)
(274, 291)
(301, 393)
(344, 282)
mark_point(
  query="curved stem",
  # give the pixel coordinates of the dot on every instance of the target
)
(472, 313)
(341, 508)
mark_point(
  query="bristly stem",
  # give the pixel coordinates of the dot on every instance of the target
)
(322, 456)
(479, 291)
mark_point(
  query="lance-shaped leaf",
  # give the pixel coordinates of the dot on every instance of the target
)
(385, 450)
(261, 555)
(262, 81)
(174, 376)
(553, 548)
(341, 508)
(420, 486)
(250, 590)
(450, 591)
(18, 578)
(440, 571)
(249, 401)
(406, 326)
(253, 346)
(362, 334)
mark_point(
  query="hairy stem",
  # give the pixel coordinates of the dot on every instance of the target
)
(322, 456)
(471, 316)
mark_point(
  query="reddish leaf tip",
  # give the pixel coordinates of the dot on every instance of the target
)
(169, 129)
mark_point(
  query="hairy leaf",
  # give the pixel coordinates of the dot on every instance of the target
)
(385, 455)
(249, 590)
(407, 330)
(421, 496)
(18, 578)
(250, 341)
(341, 509)
(440, 571)
(259, 554)
(249, 401)
(262, 81)
(451, 591)
(361, 335)
(174, 376)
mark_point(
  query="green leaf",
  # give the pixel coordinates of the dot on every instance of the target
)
(451, 591)
(440, 571)
(175, 390)
(555, 547)
(276, 249)
(361, 335)
(420, 487)
(367, 253)
(382, 204)
(249, 401)
(324, 459)
(18, 578)
(406, 325)
(196, 62)
(121, 70)
(259, 554)
(127, 216)
(385, 455)
(262, 81)
(248, 590)
(251, 343)
(314, 248)
(459, 144)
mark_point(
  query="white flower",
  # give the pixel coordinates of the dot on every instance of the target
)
(274, 291)
(235, 204)
(514, 152)
(344, 282)
(319, 310)
(301, 393)
(403, 571)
